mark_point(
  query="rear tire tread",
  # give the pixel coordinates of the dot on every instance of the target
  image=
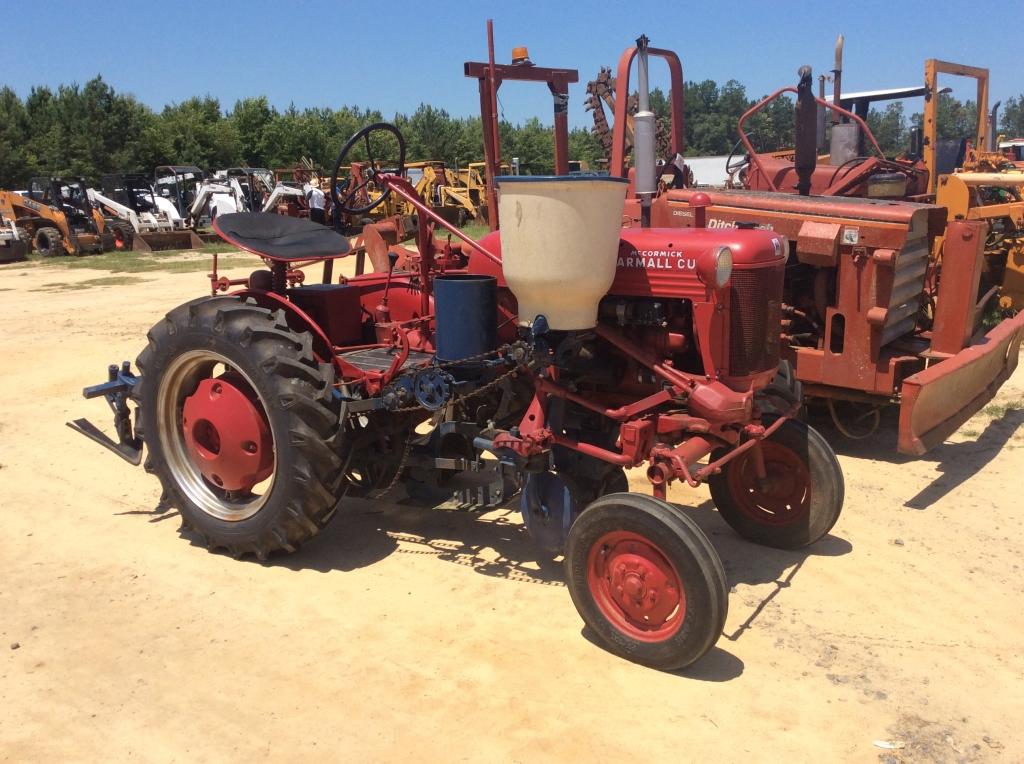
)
(52, 240)
(310, 486)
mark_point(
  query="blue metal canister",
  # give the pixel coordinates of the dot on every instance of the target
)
(466, 313)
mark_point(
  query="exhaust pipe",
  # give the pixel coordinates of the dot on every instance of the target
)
(993, 124)
(837, 79)
(806, 132)
(644, 158)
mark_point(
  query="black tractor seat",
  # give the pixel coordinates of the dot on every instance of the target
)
(279, 237)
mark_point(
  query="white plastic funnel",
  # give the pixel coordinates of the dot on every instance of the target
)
(559, 241)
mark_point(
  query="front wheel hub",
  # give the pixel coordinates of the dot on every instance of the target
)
(783, 496)
(226, 434)
(635, 586)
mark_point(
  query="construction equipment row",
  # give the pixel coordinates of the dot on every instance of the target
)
(174, 208)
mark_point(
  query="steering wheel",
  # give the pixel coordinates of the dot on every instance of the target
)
(346, 200)
(736, 161)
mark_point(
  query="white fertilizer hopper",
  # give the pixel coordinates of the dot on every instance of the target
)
(559, 241)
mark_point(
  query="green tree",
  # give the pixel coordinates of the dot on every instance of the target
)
(469, 146)
(251, 117)
(15, 167)
(771, 129)
(432, 134)
(195, 132)
(889, 128)
(1011, 123)
(534, 144)
(585, 146)
(42, 146)
(954, 120)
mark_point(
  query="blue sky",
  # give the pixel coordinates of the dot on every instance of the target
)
(393, 55)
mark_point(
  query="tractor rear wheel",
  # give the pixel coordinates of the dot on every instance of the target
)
(240, 425)
(122, 232)
(797, 502)
(48, 242)
(646, 580)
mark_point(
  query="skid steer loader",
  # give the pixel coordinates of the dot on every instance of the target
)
(13, 246)
(139, 219)
(57, 217)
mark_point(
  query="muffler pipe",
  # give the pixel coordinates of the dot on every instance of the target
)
(644, 158)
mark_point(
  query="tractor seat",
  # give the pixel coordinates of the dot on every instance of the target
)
(279, 237)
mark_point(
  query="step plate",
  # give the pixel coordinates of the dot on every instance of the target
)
(380, 359)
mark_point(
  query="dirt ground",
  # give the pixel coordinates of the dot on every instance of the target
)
(405, 632)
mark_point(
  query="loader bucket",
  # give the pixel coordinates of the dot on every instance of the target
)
(13, 252)
(938, 400)
(157, 241)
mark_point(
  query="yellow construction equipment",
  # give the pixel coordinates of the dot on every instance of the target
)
(473, 178)
(934, 158)
(57, 217)
(998, 199)
(13, 241)
(986, 186)
(441, 189)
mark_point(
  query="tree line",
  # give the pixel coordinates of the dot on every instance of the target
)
(92, 129)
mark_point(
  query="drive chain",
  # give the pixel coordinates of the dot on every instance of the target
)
(416, 407)
(463, 362)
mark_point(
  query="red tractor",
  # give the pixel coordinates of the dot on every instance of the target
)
(882, 299)
(264, 409)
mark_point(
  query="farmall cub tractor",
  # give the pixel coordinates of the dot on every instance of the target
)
(563, 348)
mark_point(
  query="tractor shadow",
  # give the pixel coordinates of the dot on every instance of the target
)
(491, 542)
(717, 665)
(494, 543)
(755, 565)
(955, 462)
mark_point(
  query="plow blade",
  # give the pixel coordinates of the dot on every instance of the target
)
(939, 399)
(157, 241)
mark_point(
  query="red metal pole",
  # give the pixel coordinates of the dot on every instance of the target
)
(955, 308)
(617, 166)
(404, 189)
(495, 160)
(561, 129)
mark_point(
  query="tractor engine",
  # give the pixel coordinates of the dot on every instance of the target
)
(708, 303)
(651, 348)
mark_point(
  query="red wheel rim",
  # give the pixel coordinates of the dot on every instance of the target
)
(635, 586)
(783, 497)
(226, 434)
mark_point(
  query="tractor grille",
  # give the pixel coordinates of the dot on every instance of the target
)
(755, 307)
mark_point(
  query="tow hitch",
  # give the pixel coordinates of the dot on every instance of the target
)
(116, 390)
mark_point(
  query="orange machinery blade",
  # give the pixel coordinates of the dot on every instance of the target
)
(939, 399)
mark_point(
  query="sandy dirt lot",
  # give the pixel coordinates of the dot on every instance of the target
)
(405, 632)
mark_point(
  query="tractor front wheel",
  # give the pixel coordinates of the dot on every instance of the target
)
(241, 428)
(799, 499)
(48, 242)
(646, 580)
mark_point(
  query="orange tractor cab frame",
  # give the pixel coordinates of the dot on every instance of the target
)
(870, 318)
